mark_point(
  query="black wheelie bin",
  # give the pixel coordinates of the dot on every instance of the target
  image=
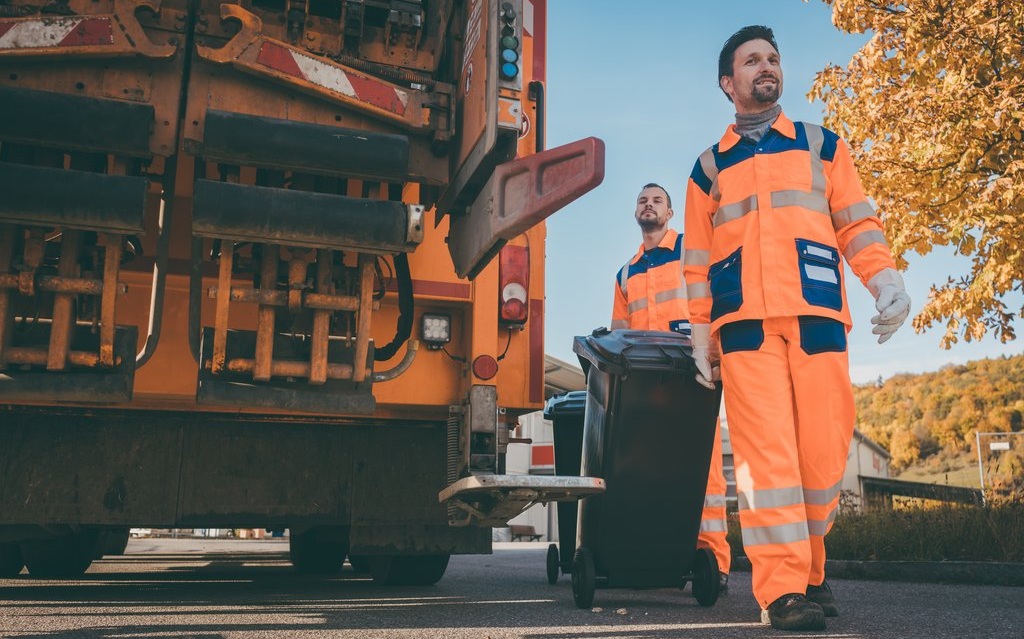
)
(565, 412)
(649, 429)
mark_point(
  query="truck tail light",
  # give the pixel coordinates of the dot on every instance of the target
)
(514, 279)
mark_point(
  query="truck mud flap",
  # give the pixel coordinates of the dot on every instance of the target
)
(492, 500)
(299, 218)
(519, 195)
(334, 397)
(21, 382)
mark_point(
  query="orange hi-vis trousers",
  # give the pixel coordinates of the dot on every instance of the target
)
(712, 522)
(791, 416)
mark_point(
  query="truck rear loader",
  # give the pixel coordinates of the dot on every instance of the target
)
(274, 264)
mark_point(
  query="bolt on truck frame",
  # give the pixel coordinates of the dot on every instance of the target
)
(247, 273)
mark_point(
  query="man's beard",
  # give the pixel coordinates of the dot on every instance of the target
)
(649, 225)
(766, 93)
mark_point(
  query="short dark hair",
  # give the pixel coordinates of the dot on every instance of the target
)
(735, 41)
(668, 198)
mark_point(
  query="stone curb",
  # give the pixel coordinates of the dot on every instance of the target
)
(953, 572)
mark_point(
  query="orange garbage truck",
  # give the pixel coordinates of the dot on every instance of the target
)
(273, 264)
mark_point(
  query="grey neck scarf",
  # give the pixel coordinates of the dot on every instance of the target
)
(753, 126)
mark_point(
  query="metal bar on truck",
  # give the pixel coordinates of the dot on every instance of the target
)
(364, 316)
(220, 334)
(265, 316)
(321, 320)
(108, 303)
(64, 303)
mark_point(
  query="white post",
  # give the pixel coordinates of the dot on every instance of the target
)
(981, 468)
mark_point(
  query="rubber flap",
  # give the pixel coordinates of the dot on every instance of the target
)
(619, 352)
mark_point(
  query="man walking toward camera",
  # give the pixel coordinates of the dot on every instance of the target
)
(650, 295)
(770, 209)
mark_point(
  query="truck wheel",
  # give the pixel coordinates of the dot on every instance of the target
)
(553, 565)
(408, 570)
(705, 577)
(11, 562)
(360, 563)
(116, 541)
(584, 578)
(318, 551)
(67, 556)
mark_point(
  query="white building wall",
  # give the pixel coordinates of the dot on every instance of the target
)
(864, 458)
(519, 462)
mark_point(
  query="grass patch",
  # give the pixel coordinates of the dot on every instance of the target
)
(943, 533)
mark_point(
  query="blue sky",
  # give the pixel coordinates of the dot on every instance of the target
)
(642, 76)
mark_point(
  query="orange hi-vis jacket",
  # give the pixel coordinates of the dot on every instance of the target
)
(768, 223)
(649, 290)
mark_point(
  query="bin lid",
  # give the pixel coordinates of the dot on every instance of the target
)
(621, 351)
(573, 402)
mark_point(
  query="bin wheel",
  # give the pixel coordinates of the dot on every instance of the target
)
(705, 577)
(553, 564)
(584, 579)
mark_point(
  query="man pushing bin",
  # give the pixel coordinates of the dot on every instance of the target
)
(650, 294)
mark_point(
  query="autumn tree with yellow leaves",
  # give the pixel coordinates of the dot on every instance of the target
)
(933, 109)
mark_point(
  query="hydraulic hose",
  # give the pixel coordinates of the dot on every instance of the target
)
(405, 310)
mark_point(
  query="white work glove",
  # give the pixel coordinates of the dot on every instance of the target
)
(891, 301)
(705, 355)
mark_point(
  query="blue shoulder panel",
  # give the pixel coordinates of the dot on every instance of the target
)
(700, 178)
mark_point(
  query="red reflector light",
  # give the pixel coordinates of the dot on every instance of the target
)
(514, 280)
(514, 310)
(485, 367)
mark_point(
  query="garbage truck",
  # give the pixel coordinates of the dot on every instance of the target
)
(273, 264)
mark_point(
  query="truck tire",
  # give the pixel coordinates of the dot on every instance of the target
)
(66, 556)
(11, 562)
(360, 563)
(319, 550)
(116, 541)
(408, 570)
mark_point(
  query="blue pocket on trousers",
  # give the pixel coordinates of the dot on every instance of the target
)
(726, 280)
(820, 335)
(744, 335)
(819, 274)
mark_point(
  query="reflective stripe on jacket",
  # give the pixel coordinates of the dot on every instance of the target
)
(768, 225)
(649, 290)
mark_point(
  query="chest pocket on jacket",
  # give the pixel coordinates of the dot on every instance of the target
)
(819, 274)
(726, 280)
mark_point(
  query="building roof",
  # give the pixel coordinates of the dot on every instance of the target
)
(864, 439)
(562, 377)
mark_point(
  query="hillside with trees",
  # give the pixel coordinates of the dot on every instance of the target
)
(928, 422)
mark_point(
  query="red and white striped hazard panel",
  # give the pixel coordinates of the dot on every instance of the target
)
(327, 76)
(72, 31)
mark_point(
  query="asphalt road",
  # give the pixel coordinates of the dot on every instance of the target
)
(165, 588)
